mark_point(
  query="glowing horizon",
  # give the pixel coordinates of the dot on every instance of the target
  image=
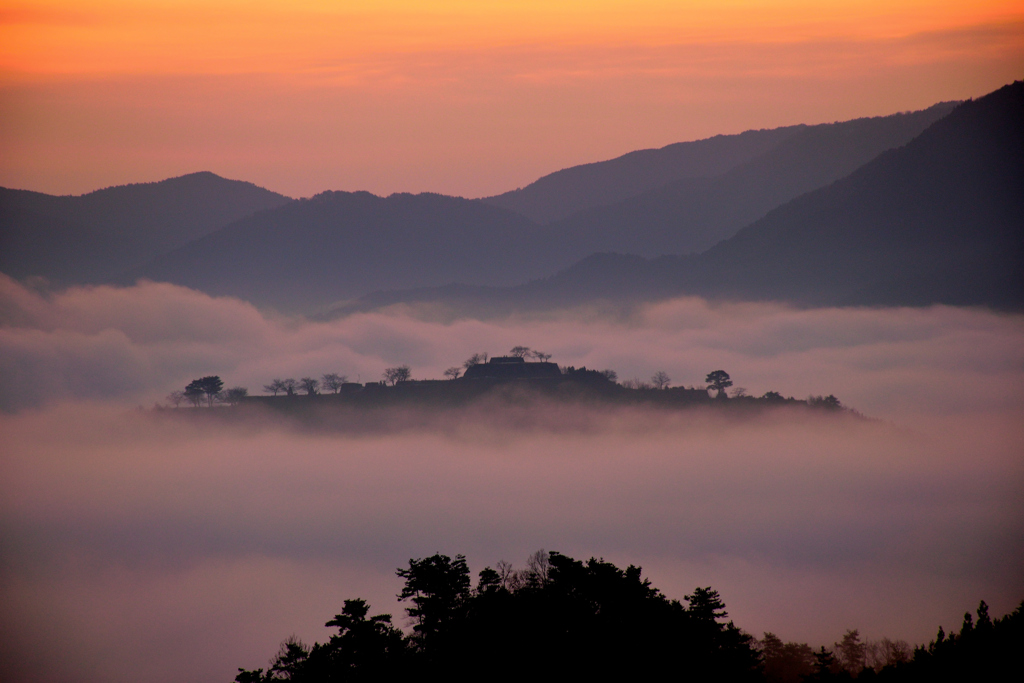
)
(454, 97)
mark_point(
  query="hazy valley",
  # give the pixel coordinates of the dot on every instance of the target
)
(878, 260)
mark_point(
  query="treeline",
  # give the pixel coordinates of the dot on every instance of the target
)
(986, 650)
(210, 389)
(561, 618)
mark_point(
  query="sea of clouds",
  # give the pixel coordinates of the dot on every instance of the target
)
(138, 546)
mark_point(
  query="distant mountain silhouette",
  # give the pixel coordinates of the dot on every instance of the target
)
(935, 220)
(693, 214)
(336, 246)
(341, 244)
(72, 239)
(939, 220)
(563, 193)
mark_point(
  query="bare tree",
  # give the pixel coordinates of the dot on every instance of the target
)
(274, 387)
(234, 395)
(660, 380)
(520, 351)
(882, 653)
(539, 566)
(541, 356)
(402, 373)
(506, 574)
(453, 372)
(175, 398)
(332, 381)
(289, 386)
(610, 375)
(309, 385)
(739, 392)
(475, 359)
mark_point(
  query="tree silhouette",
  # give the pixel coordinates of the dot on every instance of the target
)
(309, 385)
(850, 652)
(719, 381)
(364, 648)
(194, 393)
(289, 386)
(566, 618)
(209, 386)
(829, 402)
(475, 359)
(235, 395)
(592, 621)
(706, 605)
(175, 398)
(288, 663)
(402, 373)
(541, 356)
(438, 588)
(786, 662)
(332, 381)
(520, 351)
(274, 387)
(824, 663)
(660, 380)
(453, 372)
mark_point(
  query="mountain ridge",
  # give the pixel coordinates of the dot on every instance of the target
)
(938, 220)
(73, 239)
(336, 244)
(599, 183)
(691, 215)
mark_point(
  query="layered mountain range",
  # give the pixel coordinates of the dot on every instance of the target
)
(97, 236)
(909, 209)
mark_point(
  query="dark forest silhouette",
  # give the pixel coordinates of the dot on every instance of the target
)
(561, 618)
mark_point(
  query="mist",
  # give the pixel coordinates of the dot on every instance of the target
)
(138, 545)
(132, 345)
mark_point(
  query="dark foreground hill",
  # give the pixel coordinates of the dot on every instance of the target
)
(592, 621)
(939, 220)
(87, 238)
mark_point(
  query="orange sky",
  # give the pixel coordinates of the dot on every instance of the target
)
(463, 97)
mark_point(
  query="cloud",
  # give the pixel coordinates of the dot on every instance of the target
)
(167, 549)
(473, 119)
(151, 546)
(135, 344)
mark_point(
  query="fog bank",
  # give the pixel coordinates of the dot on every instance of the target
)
(137, 546)
(144, 550)
(135, 344)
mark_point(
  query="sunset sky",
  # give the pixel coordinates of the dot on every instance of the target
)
(460, 97)
(180, 544)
